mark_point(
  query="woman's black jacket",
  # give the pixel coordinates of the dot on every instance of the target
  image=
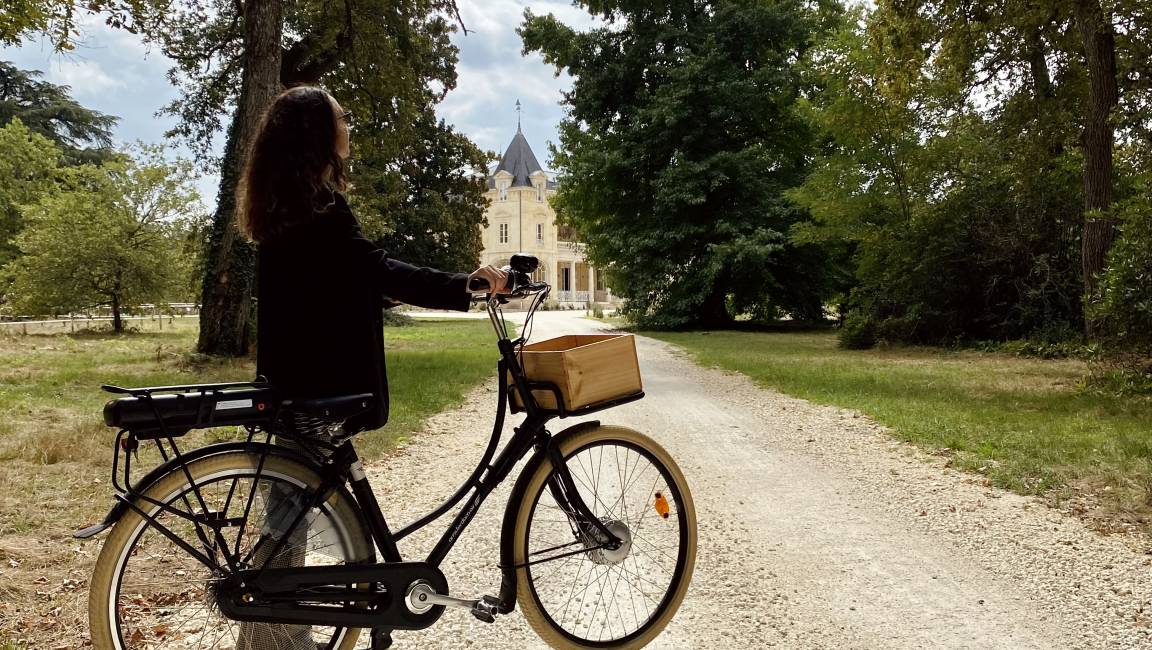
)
(321, 287)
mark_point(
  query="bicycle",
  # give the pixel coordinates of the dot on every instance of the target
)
(252, 544)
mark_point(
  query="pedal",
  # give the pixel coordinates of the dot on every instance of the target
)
(486, 608)
(381, 638)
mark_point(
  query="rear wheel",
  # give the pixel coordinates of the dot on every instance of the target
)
(591, 597)
(148, 592)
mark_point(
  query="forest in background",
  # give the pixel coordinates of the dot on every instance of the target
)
(932, 172)
(936, 172)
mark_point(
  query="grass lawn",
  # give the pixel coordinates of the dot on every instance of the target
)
(1024, 423)
(56, 453)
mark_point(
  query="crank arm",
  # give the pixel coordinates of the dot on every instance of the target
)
(421, 597)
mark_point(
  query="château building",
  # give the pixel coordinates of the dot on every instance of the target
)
(521, 219)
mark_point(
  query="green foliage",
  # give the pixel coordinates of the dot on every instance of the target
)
(27, 171)
(110, 236)
(23, 18)
(82, 134)
(1055, 348)
(673, 182)
(393, 318)
(430, 209)
(857, 333)
(1123, 309)
(389, 62)
(964, 220)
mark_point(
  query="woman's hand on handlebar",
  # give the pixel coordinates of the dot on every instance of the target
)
(488, 279)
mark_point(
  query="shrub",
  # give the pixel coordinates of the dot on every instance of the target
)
(393, 318)
(1122, 310)
(858, 332)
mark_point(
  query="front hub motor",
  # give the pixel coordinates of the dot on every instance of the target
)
(607, 555)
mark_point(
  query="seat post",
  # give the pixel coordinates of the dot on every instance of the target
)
(369, 506)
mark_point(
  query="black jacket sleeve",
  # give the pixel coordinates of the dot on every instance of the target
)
(414, 285)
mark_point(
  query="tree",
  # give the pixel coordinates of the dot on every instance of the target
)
(1122, 308)
(430, 209)
(681, 138)
(390, 60)
(54, 18)
(229, 275)
(28, 168)
(109, 237)
(82, 134)
(384, 57)
(974, 141)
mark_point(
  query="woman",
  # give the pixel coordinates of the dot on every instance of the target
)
(321, 284)
(321, 288)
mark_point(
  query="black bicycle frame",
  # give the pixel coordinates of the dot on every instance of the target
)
(531, 434)
(343, 465)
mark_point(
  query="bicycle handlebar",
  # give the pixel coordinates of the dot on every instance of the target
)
(519, 285)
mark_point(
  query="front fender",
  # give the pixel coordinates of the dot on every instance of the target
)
(121, 504)
(508, 527)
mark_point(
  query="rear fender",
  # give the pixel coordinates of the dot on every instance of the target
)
(148, 480)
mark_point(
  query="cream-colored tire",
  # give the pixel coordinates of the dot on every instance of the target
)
(541, 587)
(163, 600)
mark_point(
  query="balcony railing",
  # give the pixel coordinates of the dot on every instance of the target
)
(572, 246)
(574, 296)
(583, 296)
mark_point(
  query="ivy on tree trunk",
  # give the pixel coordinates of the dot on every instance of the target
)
(230, 269)
(1097, 35)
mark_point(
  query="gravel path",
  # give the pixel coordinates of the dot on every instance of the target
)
(817, 530)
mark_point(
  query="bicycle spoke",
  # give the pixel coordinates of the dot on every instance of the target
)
(163, 599)
(597, 595)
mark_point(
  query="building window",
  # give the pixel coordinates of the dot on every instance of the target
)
(540, 192)
(503, 233)
(503, 190)
(539, 233)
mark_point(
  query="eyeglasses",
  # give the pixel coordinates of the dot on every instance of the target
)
(347, 117)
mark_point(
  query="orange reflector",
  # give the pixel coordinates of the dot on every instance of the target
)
(661, 505)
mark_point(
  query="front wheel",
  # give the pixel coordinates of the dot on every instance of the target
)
(595, 597)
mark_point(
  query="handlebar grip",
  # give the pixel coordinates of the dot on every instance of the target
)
(516, 281)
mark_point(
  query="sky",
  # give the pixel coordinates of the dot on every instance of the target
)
(114, 72)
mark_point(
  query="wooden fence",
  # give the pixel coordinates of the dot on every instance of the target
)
(74, 323)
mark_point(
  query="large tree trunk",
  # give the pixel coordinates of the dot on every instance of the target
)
(1098, 37)
(229, 275)
(117, 322)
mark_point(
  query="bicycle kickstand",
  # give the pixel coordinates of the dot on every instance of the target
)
(381, 638)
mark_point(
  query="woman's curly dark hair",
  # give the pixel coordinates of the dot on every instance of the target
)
(292, 169)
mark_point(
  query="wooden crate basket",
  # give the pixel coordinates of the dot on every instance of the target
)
(589, 369)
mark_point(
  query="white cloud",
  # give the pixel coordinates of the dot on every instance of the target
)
(115, 72)
(87, 79)
(492, 75)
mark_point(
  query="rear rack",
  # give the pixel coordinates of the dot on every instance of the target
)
(142, 392)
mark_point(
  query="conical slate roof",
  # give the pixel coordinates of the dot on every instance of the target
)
(519, 161)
